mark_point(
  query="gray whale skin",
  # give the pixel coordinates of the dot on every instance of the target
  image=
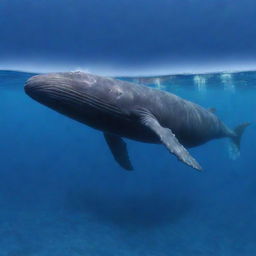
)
(122, 109)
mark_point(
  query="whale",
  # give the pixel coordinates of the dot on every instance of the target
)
(121, 109)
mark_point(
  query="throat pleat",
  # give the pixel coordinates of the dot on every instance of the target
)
(75, 97)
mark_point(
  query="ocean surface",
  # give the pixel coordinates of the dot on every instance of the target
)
(62, 194)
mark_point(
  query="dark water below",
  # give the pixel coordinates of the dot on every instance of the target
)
(62, 194)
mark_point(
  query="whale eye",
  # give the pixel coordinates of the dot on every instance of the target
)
(119, 93)
(116, 91)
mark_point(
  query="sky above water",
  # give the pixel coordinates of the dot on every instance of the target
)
(128, 36)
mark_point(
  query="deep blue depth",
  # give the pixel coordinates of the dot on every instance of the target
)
(127, 34)
(62, 194)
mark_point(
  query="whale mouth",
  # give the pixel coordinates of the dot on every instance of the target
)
(34, 86)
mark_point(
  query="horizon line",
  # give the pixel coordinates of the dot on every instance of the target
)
(145, 72)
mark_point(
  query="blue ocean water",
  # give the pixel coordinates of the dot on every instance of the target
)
(62, 194)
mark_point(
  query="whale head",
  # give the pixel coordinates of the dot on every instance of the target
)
(63, 92)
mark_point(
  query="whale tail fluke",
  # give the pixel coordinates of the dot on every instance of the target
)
(239, 130)
(234, 147)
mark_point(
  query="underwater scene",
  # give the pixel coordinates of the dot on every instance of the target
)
(62, 193)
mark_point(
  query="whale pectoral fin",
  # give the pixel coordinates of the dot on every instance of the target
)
(119, 150)
(170, 141)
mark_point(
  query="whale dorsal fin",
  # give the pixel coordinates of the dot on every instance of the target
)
(167, 137)
(212, 110)
(119, 150)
